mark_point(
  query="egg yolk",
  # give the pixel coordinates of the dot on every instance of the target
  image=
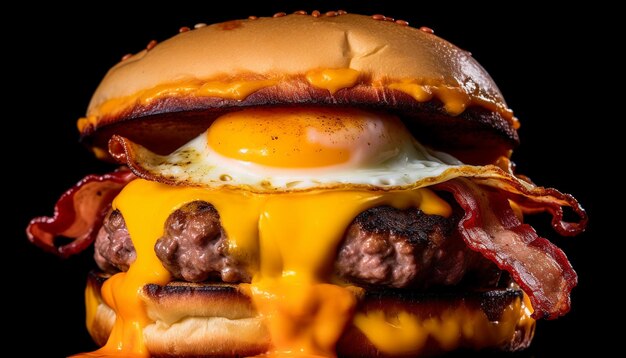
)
(306, 137)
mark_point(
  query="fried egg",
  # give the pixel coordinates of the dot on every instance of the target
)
(298, 148)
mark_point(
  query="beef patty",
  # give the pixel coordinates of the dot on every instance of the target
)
(113, 250)
(194, 246)
(383, 246)
(396, 248)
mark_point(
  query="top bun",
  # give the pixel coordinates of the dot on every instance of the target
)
(446, 98)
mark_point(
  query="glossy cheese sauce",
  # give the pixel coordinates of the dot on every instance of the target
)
(288, 240)
(333, 79)
(237, 90)
(91, 307)
(405, 333)
(455, 100)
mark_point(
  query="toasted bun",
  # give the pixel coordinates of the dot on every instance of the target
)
(209, 320)
(446, 93)
(191, 320)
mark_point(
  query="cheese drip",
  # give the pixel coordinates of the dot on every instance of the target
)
(287, 240)
(455, 99)
(407, 333)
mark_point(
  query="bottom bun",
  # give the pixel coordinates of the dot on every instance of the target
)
(210, 320)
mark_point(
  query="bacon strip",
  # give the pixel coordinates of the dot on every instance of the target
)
(78, 213)
(491, 228)
(533, 199)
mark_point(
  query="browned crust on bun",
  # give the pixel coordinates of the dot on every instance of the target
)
(212, 320)
(436, 305)
(179, 299)
(383, 53)
(166, 124)
(192, 320)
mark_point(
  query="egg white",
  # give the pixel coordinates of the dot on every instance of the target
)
(196, 163)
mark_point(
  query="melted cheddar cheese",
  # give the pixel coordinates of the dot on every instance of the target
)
(333, 79)
(454, 99)
(404, 333)
(288, 240)
(237, 90)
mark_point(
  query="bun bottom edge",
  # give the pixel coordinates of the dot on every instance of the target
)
(217, 320)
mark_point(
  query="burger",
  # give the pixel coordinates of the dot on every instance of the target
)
(308, 185)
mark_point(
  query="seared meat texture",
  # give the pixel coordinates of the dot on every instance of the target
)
(407, 248)
(114, 251)
(194, 247)
(383, 246)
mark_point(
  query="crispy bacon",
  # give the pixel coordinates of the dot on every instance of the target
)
(78, 213)
(533, 199)
(491, 228)
(489, 225)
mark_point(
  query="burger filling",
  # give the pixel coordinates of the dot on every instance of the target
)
(300, 205)
(383, 246)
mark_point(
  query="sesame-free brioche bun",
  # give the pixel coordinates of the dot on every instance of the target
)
(216, 320)
(167, 94)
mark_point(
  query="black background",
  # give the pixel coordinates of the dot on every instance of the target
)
(540, 58)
